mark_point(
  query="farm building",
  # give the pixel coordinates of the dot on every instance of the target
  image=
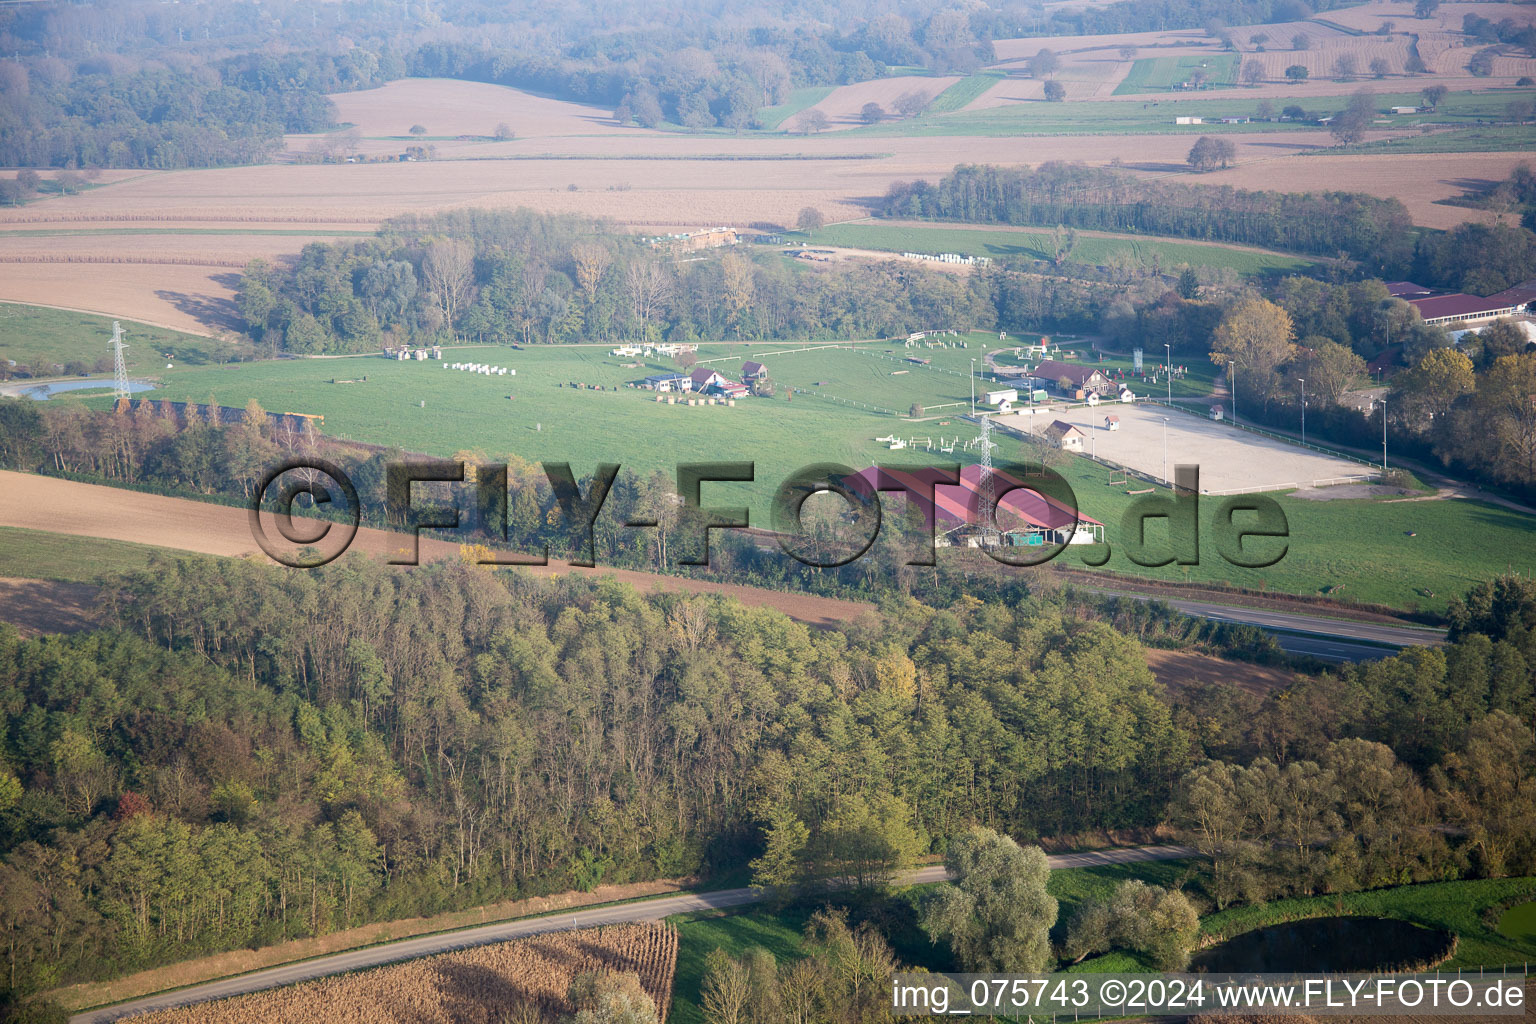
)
(1406, 290)
(703, 378)
(1405, 110)
(1025, 517)
(1067, 437)
(1189, 120)
(693, 241)
(1001, 395)
(752, 372)
(707, 382)
(668, 382)
(1447, 309)
(1521, 295)
(1525, 327)
(1081, 380)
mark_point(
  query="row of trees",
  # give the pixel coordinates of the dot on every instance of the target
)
(1375, 232)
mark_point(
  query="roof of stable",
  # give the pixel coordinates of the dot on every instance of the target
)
(1461, 304)
(1051, 369)
(960, 503)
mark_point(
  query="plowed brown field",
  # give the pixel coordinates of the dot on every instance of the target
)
(842, 105)
(1418, 179)
(447, 107)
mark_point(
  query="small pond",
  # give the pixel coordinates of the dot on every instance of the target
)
(1328, 944)
(48, 389)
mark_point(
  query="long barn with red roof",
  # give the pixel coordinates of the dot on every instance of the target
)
(1025, 516)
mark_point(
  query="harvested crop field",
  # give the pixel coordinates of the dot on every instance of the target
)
(1084, 78)
(90, 510)
(135, 245)
(842, 105)
(446, 107)
(1369, 17)
(1325, 53)
(1418, 179)
(1155, 43)
(192, 298)
(478, 986)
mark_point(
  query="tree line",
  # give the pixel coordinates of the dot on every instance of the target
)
(1377, 233)
(110, 111)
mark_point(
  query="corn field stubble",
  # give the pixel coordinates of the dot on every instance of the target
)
(476, 986)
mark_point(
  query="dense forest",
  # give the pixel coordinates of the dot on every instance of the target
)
(246, 753)
(111, 111)
(1376, 233)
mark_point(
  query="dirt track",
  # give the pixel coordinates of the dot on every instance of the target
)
(89, 510)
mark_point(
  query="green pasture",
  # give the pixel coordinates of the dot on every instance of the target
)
(1502, 138)
(29, 334)
(963, 92)
(1152, 73)
(1035, 244)
(1075, 116)
(1404, 554)
(1407, 554)
(772, 117)
(1519, 923)
(36, 555)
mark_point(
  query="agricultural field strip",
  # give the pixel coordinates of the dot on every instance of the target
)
(643, 910)
(997, 240)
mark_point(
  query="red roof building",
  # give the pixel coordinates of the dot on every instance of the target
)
(1445, 309)
(1019, 510)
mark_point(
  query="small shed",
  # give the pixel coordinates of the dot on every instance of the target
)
(1217, 413)
(1067, 436)
(1111, 422)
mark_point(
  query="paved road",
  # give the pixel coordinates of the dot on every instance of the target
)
(1318, 635)
(640, 910)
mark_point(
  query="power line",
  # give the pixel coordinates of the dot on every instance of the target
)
(119, 365)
